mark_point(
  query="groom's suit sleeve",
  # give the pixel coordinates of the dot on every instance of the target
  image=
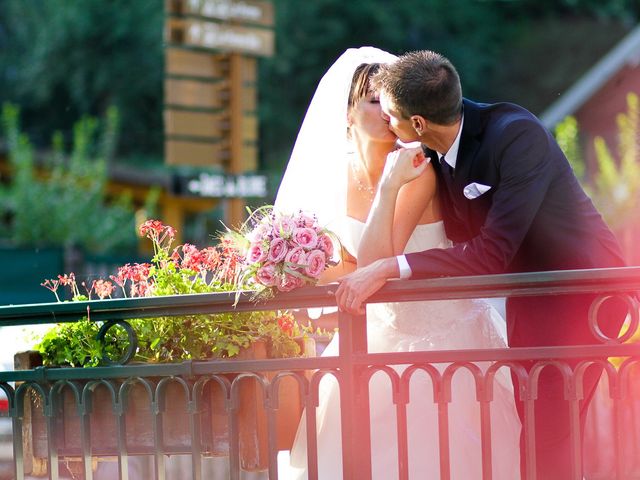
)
(524, 152)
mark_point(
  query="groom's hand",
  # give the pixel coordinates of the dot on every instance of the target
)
(357, 286)
(404, 165)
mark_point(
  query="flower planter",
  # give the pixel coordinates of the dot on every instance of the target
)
(175, 436)
(252, 417)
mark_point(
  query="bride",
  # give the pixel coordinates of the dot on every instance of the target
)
(336, 163)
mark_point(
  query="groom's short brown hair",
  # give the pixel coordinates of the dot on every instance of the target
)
(422, 83)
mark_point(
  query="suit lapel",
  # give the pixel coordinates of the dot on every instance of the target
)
(469, 145)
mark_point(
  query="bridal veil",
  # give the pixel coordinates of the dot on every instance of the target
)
(316, 176)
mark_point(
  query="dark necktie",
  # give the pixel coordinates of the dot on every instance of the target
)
(446, 168)
(447, 172)
(446, 176)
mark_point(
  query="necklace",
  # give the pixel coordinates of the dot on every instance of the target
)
(360, 185)
(364, 188)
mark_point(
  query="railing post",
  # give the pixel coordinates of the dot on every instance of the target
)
(354, 399)
(18, 448)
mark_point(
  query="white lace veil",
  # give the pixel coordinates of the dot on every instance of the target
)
(316, 176)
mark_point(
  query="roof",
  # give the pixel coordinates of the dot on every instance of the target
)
(626, 52)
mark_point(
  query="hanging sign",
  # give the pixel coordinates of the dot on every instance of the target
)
(240, 11)
(234, 38)
(214, 185)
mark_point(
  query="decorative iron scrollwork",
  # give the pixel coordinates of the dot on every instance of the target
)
(132, 346)
(631, 323)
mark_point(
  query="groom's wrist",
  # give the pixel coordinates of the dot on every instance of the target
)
(387, 268)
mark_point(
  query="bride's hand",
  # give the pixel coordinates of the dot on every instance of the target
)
(404, 165)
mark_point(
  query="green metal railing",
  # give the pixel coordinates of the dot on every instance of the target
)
(210, 393)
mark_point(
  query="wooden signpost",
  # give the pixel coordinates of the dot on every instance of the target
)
(211, 86)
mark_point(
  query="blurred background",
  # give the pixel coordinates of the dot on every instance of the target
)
(116, 111)
(93, 94)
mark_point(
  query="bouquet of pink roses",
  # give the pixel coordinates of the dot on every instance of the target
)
(283, 251)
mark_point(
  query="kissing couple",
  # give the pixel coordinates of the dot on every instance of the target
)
(486, 189)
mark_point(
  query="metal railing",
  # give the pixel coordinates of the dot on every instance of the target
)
(54, 410)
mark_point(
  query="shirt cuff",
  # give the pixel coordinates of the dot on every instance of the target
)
(403, 266)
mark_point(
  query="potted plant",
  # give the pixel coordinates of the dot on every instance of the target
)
(233, 264)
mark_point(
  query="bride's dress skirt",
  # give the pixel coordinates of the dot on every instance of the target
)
(412, 327)
(418, 326)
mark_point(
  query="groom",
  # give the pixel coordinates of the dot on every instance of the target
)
(510, 203)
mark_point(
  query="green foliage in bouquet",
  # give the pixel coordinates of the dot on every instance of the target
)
(184, 269)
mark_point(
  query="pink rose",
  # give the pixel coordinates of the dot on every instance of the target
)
(277, 250)
(283, 226)
(289, 282)
(305, 220)
(296, 256)
(326, 245)
(315, 263)
(266, 275)
(256, 253)
(306, 237)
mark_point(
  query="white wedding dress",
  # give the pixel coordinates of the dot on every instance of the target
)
(417, 326)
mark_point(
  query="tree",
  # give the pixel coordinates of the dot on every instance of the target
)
(311, 35)
(62, 200)
(615, 187)
(62, 59)
(500, 49)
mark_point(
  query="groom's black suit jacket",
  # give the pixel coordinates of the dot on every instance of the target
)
(535, 216)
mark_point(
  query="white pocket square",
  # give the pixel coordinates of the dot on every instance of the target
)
(474, 190)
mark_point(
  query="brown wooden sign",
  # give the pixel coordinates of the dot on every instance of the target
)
(206, 125)
(238, 11)
(222, 37)
(210, 90)
(182, 62)
(193, 93)
(201, 154)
